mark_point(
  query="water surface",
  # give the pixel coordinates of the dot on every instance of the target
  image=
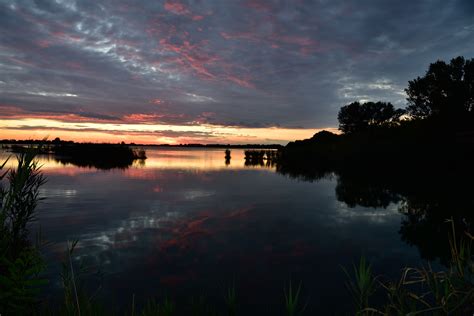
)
(185, 223)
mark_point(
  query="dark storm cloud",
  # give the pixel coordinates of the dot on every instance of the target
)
(248, 63)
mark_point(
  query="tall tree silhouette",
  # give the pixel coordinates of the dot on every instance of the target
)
(357, 117)
(445, 91)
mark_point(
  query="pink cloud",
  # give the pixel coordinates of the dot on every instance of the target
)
(189, 55)
(156, 101)
(67, 37)
(258, 5)
(150, 117)
(43, 43)
(15, 112)
(21, 62)
(303, 44)
(141, 117)
(179, 54)
(9, 110)
(248, 36)
(205, 117)
(74, 65)
(176, 7)
(179, 8)
(298, 40)
(241, 81)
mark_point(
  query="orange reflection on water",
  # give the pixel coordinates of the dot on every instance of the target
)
(47, 164)
(193, 159)
(159, 158)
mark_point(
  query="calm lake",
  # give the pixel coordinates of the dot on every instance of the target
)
(184, 223)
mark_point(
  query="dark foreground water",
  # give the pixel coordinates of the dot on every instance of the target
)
(185, 224)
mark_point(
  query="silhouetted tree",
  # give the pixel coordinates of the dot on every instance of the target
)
(357, 117)
(324, 137)
(446, 90)
(355, 191)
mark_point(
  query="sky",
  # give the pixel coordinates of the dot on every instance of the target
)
(212, 71)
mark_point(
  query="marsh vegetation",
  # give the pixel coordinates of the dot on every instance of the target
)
(91, 155)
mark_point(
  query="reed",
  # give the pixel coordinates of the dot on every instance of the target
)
(20, 261)
(421, 290)
(153, 308)
(230, 298)
(362, 285)
(292, 300)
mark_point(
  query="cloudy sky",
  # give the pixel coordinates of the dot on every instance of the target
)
(213, 71)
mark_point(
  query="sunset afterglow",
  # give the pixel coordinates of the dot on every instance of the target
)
(147, 133)
(176, 71)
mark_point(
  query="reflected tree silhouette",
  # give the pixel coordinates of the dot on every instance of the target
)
(353, 192)
(262, 158)
(426, 200)
(227, 157)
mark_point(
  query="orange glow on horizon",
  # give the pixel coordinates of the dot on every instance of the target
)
(38, 128)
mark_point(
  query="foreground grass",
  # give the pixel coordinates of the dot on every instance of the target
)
(420, 290)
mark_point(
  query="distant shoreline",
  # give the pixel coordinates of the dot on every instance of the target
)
(236, 146)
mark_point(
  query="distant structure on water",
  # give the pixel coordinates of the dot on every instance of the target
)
(227, 157)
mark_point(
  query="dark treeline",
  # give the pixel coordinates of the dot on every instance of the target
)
(435, 131)
(420, 157)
